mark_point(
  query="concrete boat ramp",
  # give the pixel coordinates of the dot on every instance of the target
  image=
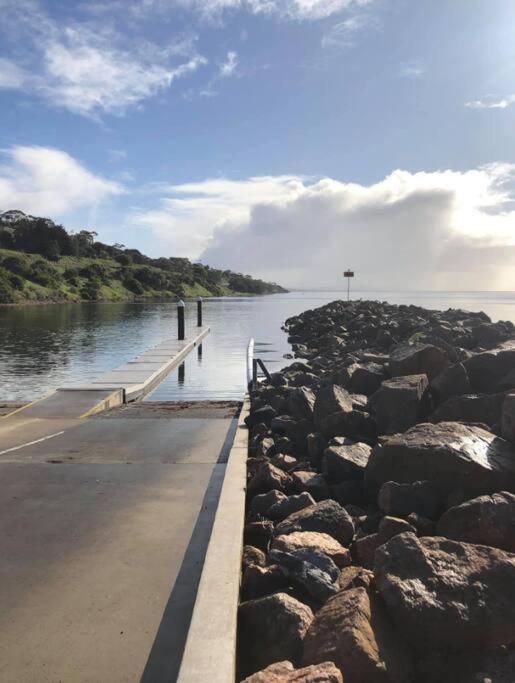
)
(105, 519)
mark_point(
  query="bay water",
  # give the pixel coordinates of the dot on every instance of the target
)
(43, 347)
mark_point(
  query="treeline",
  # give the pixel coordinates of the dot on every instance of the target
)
(37, 254)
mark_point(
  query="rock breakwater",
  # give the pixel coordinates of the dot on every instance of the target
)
(381, 501)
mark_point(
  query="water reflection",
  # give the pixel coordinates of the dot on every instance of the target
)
(43, 347)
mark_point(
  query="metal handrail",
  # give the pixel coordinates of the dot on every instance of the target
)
(250, 364)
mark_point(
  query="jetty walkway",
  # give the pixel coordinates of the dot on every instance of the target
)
(105, 519)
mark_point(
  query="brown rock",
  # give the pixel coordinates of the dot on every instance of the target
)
(258, 534)
(355, 577)
(267, 478)
(487, 520)
(416, 359)
(260, 581)
(291, 504)
(352, 631)
(422, 497)
(484, 408)
(264, 501)
(284, 462)
(271, 629)
(252, 555)
(454, 381)
(316, 541)
(313, 483)
(330, 400)
(366, 546)
(400, 403)
(301, 402)
(348, 461)
(447, 594)
(449, 454)
(508, 417)
(327, 517)
(283, 672)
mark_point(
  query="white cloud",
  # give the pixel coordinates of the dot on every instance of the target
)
(90, 69)
(228, 67)
(287, 9)
(491, 102)
(343, 34)
(440, 230)
(12, 76)
(49, 182)
(189, 213)
(89, 79)
(412, 71)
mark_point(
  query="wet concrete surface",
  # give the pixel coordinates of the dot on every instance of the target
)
(103, 532)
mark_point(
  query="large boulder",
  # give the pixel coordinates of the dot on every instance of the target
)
(289, 505)
(454, 381)
(327, 517)
(449, 454)
(259, 581)
(283, 672)
(330, 400)
(314, 541)
(365, 379)
(447, 594)
(487, 520)
(301, 402)
(400, 403)
(422, 497)
(364, 547)
(346, 461)
(264, 501)
(268, 478)
(483, 408)
(416, 359)
(311, 482)
(508, 417)
(271, 629)
(486, 370)
(352, 631)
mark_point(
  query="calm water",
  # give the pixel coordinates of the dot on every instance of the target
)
(44, 347)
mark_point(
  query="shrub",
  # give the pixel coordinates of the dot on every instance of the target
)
(133, 285)
(95, 271)
(91, 290)
(44, 274)
(17, 264)
(6, 289)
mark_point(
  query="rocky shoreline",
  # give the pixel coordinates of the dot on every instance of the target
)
(380, 517)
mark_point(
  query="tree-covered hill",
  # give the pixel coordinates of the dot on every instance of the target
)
(41, 261)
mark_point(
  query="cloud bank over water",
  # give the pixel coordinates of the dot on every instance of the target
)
(440, 230)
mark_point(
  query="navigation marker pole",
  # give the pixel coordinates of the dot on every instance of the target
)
(348, 274)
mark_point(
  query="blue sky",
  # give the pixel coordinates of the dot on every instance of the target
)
(219, 128)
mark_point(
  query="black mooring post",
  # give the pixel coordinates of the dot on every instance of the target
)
(199, 312)
(180, 319)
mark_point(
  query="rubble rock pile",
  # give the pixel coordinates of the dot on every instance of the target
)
(380, 528)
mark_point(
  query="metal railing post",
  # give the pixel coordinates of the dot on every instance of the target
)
(250, 356)
(180, 319)
(199, 312)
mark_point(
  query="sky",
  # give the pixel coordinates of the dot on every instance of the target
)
(289, 139)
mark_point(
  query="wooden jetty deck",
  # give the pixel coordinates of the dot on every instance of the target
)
(105, 518)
